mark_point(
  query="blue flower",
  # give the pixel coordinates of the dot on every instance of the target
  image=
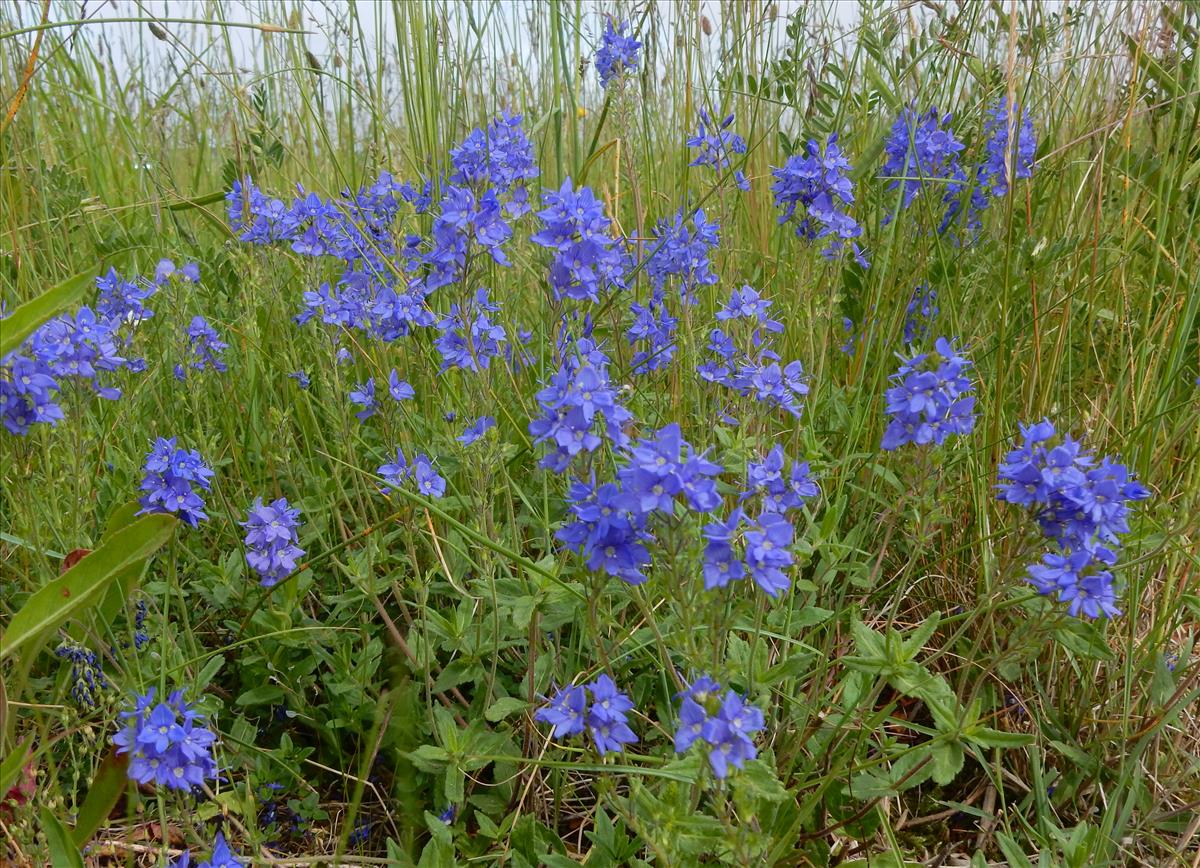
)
(124, 300)
(780, 493)
(922, 149)
(682, 253)
(820, 184)
(566, 712)
(399, 389)
(222, 856)
(1082, 505)
(204, 346)
(586, 261)
(930, 399)
(606, 531)
(167, 743)
(87, 673)
(919, 315)
(722, 564)
(501, 157)
(171, 478)
(28, 390)
(578, 402)
(469, 338)
(301, 378)
(429, 482)
(768, 552)
(395, 472)
(363, 395)
(664, 467)
(725, 725)
(991, 177)
(476, 430)
(618, 53)
(605, 717)
(271, 540)
(716, 143)
(654, 325)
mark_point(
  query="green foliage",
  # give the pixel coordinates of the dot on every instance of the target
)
(918, 696)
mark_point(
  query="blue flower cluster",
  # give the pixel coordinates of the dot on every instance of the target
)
(205, 348)
(80, 346)
(930, 398)
(586, 262)
(605, 717)
(653, 328)
(922, 310)
(820, 184)
(428, 481)
(172, 476)
(725, 725)
(921, 149)
(87, 673)
(609, 534)
(168, 743)
(618, 53)
(992, 175)
(677, 252)
(271, 539)
(469, 339)
(754, 372)
(1081, 504)
(578, 402)
(664, 468)
(222, 857)
(716, 144)
(610, 527)
(780, 492)
(761, 548)
(500, 156)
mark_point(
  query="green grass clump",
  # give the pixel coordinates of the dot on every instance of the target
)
(921, 702)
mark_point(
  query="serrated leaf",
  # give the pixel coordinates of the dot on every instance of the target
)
(948, 758)
(429, 758)
(503, 707)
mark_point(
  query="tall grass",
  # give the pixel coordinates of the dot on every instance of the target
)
(1080, 303)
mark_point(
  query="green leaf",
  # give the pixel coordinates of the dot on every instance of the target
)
(1083, 638)
(84, 584)
(988, 737)
(454, 785)
(63, 852)
(429, 758)
(108, 784)
(265, 694)
(758, 780)
(130, 576)
(458, 671)
(11, 765)
(947, 761)
(26, 319)
(1012, 851)
(502, 708)
(211, 668)
(793, 666)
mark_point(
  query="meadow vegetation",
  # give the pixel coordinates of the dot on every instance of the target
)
(619, 433)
